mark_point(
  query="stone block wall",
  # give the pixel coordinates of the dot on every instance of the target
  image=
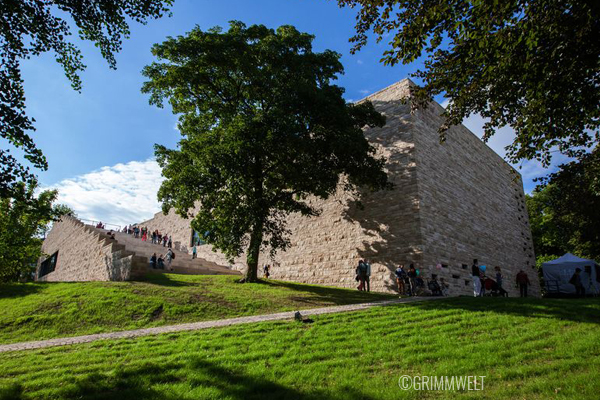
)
(472, 205)
(85, 254)
(452, 202)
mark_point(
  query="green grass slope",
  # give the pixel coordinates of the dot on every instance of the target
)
(36, 311)
(526, 349)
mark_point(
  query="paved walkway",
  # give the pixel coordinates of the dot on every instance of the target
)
(201, 325)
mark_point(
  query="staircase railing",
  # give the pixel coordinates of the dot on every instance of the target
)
(93, 223)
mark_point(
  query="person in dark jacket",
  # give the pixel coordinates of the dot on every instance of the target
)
(153, 261)
(523, 283)
(576, 281)
(401, 278)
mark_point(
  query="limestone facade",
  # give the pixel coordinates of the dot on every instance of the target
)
(87, 254)
(451, 203)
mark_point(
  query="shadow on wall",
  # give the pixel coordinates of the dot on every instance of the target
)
(151, 381)
(390, 217)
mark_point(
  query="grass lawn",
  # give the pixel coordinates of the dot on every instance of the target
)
(526, 349)
(36, 311)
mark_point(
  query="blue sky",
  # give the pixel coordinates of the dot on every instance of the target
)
(99, 142)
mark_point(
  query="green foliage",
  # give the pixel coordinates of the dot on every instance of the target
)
(530, 64)
(29, 28)
(23, 219)
(565, 209)
(263, 129)
(40, 310)
(526, 349)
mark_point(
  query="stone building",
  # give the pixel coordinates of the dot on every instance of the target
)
(451, 203)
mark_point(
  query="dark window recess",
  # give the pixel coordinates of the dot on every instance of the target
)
(465, 266)
(455, 276)
(444, 265)
(467, 282)
(48, 265)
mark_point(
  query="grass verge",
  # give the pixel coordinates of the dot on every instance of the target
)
(35, 311)
(525, 348)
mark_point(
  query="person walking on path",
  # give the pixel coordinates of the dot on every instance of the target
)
(412, 280)
(194, 252)
(266, 270)
(401, 279)
(523, 283)
(361, 273)
(368, 277)
(170, 242)
(476, 273)
(576, 281)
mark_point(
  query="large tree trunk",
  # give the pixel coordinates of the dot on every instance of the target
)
(253, 252)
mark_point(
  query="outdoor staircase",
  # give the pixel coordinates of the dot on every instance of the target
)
(182, 264)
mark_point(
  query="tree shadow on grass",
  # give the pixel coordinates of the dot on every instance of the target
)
(197, 377)
(8, 290)
(164, 279)
(576, 310)
(337, 296)
(238, 386)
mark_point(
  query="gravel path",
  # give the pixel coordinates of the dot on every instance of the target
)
(200, 325)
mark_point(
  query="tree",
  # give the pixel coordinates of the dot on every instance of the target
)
(23, 220)
(564, 209)
(530, 64)
(263, 129)
(29, 28)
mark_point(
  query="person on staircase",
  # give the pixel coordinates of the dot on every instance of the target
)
(194, 252)
(169, 257)
(153, 261)
(170, 242)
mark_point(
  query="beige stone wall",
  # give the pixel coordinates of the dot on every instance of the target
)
(84, 254)
(472, 205)
(326, 249)
(451, 203)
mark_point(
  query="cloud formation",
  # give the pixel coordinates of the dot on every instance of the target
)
(121, 194)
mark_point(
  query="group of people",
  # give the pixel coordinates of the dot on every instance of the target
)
(363, 275)
(159, 262)
(482, 283)
(412, 284)
(155, 237)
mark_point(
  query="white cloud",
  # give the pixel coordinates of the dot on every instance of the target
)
(120, 194)
(359, 62)
(364, 92)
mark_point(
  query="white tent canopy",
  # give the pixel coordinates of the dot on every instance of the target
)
(557, 274)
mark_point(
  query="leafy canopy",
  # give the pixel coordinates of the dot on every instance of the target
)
(565, 209)
(24, 218)
(263, 129)
(531, 64)
(31, 27)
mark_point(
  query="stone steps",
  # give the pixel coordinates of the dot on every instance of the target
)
(141, 251)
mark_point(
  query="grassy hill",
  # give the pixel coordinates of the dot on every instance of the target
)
(525, 348)
(36, 311)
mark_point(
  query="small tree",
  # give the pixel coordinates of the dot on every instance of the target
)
(23, 220)
(565, 209)
(263, 129)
